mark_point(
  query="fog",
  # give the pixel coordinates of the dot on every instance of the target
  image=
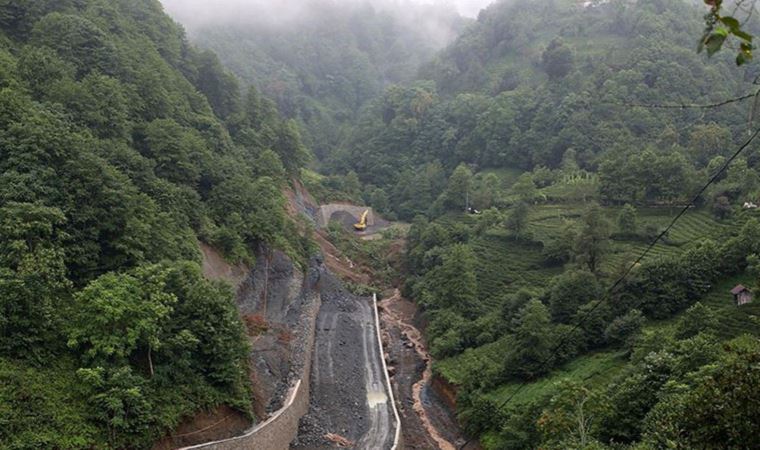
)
(198, 13)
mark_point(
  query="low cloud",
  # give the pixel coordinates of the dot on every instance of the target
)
(194, 14)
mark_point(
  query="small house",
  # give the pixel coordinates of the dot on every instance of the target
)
(742, 295)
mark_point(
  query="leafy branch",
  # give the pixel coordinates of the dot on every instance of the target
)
(720, 28)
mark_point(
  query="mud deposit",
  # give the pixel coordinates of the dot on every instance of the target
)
(427, 422)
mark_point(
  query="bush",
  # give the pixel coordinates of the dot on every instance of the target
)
(624, 329)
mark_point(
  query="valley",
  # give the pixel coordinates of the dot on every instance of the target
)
(379, 224)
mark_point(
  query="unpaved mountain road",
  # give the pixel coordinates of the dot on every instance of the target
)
(348, 392)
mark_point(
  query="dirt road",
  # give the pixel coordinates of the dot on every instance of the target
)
(348, 394)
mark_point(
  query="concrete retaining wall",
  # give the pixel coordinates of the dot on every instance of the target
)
(277, 432)
(326, 211)
(397, 438)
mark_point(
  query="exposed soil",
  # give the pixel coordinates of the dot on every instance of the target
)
(220, 423)
(215, 267)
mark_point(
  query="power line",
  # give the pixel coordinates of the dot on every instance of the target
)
(631, 267)
(692, 105)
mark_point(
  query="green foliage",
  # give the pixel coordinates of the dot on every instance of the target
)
(115, 315)
(572, 416)
(557, 59)
(457, 193)
(719, 28)
(323, 64)
(518, 219)
(533, 342)
(122, 147)
(697, 319)
(624, 329)
(493, 105)
(453, 283)
(715, 407)
(592, 242)
(569, 291)
(627, 220)
(32, 277)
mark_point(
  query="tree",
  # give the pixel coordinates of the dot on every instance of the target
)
(268, 164)
(560, 249)
(558, 59)
(721, 207)
(454, 282)
(594, 317)
(569, 291)
(716, 409)
(525, 188)
(632, 395)
(77, 41)
(517, 220)
(624, 329)
(697, 319)
(117, 315)
(33, 278)
(380, 201)
(532, 342)
(593, 241)
(459, 188)
(627, 220)
(179, 153)
(572, 417)
(487, 193)
(352, 185)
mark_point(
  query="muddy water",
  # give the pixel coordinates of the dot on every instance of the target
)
(432, 424)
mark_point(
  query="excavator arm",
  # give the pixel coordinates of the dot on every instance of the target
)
(362, 225)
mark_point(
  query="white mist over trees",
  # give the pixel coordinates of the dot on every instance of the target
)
(199, 13)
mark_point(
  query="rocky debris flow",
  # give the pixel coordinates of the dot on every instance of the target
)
(339, 404)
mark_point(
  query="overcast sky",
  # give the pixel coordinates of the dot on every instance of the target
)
(200, 12)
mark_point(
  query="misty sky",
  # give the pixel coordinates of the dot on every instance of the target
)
(200, 12)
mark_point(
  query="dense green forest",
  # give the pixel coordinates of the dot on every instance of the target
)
(322, 65)
(121, 146)
(549, 85)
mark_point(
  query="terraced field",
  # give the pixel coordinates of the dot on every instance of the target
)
(734, 320)
(505, 265)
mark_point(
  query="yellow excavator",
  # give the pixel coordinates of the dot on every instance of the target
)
(362, 225)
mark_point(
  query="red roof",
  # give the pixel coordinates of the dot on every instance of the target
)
(738, 289)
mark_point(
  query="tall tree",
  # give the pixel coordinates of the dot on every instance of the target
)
(459, 188)
(455, 283)
(532, 342)
(594, 239)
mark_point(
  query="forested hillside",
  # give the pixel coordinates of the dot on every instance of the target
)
(121, 147)
(323, 63)
(547, 84)
(542, 122)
